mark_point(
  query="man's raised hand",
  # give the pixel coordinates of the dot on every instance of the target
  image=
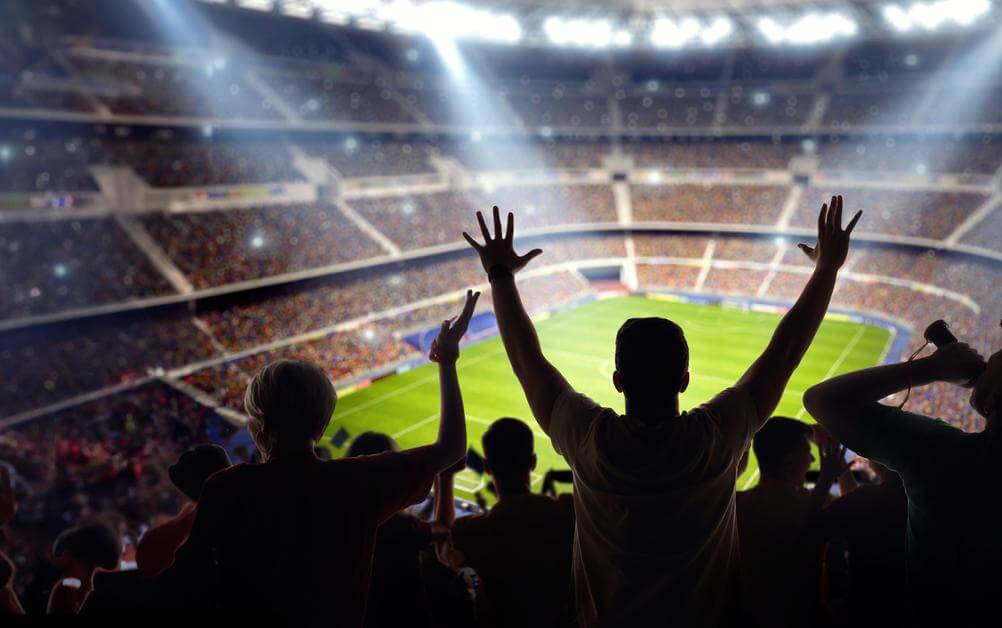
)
(445, 347)
(498, 250)
(833, 241)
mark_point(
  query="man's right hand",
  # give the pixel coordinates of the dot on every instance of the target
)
(833, 241)
(499, 250)
(957, 363)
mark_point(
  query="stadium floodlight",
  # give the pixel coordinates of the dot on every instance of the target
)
(297, 8)
(257, 5)
(930, 16)
(436, 18)
(808, 29)
(585, 32)
(679, 33)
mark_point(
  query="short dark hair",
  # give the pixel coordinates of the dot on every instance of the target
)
(778, 438)
(94, 544)
(195, 466)
(651, 352)
(369, 443)
(508, 446)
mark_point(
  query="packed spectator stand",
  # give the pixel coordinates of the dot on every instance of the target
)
(327, 263)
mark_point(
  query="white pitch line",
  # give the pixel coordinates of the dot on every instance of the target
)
(751, 480)
(414, 384)
(411, 428)
(838, 362)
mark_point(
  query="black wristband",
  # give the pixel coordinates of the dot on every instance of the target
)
(499, 271)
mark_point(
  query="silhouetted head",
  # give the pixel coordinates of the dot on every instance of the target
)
(652, 360)
(783, 449)
(93, 545)
(195, 466)
(508, 452)
(986, 397)
(290, 403)
(369, 443)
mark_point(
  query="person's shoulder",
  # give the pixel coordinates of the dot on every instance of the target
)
(232, 476)
(735, 399)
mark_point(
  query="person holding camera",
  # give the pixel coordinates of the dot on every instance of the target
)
(951, 477)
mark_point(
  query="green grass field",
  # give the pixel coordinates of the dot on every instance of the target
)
(580, 341)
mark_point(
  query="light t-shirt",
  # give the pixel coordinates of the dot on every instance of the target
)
(656, 535)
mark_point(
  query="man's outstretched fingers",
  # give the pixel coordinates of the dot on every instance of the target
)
(511, 227)
(472, 242)
(852, 223)
(483, 227)
(497, 223)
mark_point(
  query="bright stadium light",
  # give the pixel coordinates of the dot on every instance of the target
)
(930, 16)
(808, 29)
(585, 33)
(257, 5)
(455, 21)
(679, 33)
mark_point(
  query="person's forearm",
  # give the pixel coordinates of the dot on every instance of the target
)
(445, 505)
(796, 330)
(518, 334)
(452, 423)
(868, 386)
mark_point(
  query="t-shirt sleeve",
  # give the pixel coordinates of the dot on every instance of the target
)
(572, 417)
(903, 441)
(395, 480)
(734, 414)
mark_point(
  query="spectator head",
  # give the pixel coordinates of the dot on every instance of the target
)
(508, 453)
(290, 403)
(783, 449)
(986, 397)
(92, 545)
(369, 443)
(652, 359)
(195, 466)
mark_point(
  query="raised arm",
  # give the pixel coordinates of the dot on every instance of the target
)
(846, 404)
(450, 446)
(445, 516)
(540, 380)
(766, 379)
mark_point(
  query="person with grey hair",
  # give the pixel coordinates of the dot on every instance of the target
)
(293, 537)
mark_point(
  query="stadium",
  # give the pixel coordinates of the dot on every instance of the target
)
(190, 190)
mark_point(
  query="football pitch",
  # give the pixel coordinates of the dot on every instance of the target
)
(580, 342)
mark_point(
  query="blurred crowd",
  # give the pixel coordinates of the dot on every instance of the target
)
(221, 247)
(105, 460)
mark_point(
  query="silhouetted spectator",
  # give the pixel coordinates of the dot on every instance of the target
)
(654, 489)
(156, 549)
(521, 549)
(871, 520)
(949, 476)
(79, 553)
(780, 556)
(396, 592)
(294, 536)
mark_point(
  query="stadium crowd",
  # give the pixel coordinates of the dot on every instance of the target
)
(47, 266)
(112, 464)
(215, 248)
(750, 205)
